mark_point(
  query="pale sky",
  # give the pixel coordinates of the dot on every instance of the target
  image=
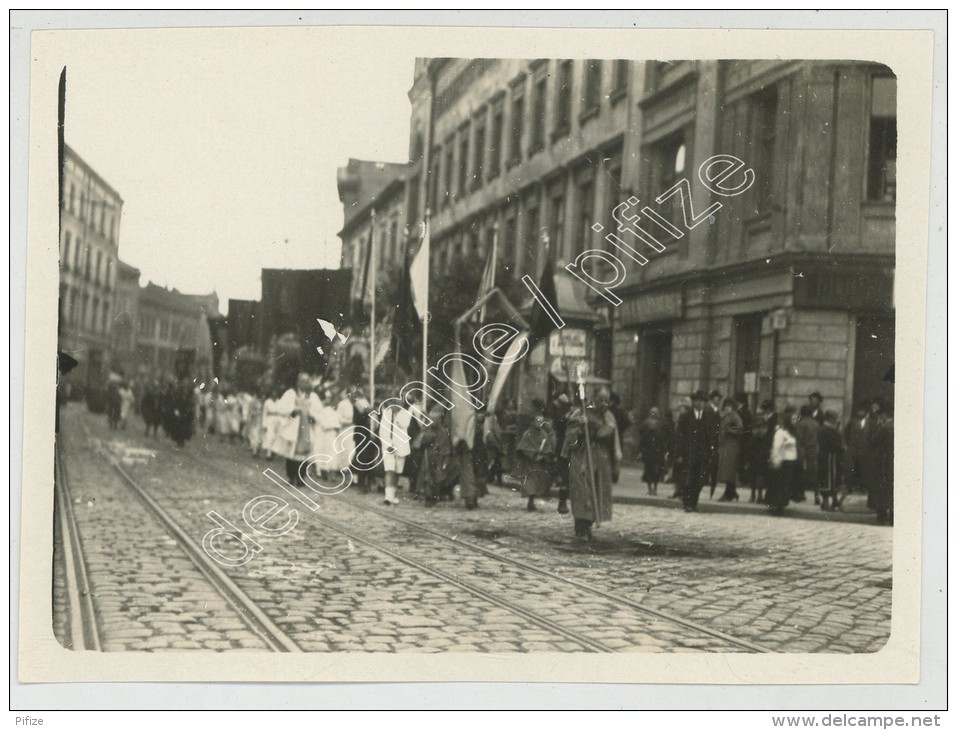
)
(224, 145)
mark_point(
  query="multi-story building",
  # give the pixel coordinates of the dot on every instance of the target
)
(90, 213)
(787, 288)
(173, 328)
(364, 187)
(535, 152)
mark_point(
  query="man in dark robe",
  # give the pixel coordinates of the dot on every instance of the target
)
(695, 448)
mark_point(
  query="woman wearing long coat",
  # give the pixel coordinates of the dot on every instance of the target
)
(605, 454)
(298, 435)
(729, 450)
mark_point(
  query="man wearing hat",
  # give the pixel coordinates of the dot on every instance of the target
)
(696, 439)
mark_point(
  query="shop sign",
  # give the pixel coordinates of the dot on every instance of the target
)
(652, 307)
(568, 343)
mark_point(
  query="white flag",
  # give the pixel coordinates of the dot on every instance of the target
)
(501, 376)
(419, 275)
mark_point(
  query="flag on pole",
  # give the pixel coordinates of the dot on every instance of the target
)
(541, 323)
(406, 326)
(463, 415)
(419, 275)
(501, 375)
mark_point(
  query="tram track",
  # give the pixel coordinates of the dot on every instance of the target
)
(83, 631)
(255, 619)
(617, 600)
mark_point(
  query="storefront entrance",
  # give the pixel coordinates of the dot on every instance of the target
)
(653, 373)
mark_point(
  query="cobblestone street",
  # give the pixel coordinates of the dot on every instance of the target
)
(357, 576)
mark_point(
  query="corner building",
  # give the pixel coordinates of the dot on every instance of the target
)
(784, 290)
(789, 288)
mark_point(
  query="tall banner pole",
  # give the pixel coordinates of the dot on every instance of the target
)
(426, 317)
(374, 268)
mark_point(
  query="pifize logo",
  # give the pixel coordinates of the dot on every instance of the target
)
(641, 232)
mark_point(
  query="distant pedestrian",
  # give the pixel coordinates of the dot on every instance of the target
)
(814, 404)
(297, 436)
(882, 443)
(857, 433)
(495, 444)
(396, 446)
(783, 463)
(150, 407)
(830, 461)
(714, 403)
(652, 448)
(696, 442)
(114, 403)
(436, 474)
(181, 410)
(747, 426)
(362, 420)
(272, 419)
(762, 436)
(126, 403)
(593, 425)
(558, 414)
(807, 429)
(729, 449)
(674, 474)
(254, 422)
(535, 460)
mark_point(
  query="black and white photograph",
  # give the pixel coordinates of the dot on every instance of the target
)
(367, 350)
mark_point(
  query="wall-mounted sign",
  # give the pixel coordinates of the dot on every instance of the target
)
(568, 343)
(652, 307)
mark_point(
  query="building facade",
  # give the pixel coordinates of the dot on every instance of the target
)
(529, 154)
(173, 333)
(366, 186)
(789, 287)
(90, 214)
(786, 289)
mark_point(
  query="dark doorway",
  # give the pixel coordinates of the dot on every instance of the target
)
(873, 358)
(747, 357)
(654, 369)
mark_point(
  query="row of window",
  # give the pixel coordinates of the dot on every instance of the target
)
(84, 311)
(169, 329)
(542, 222)
(97, 269)
(98, 214)
(476, 153)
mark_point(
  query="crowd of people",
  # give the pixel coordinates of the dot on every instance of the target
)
(563, 445)
(782, 456)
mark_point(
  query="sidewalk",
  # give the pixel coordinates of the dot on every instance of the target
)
(631, 490)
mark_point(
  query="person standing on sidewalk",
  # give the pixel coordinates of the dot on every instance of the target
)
(762, 434)
(729, 449)
(783, 463)
(714, 403)
(830, 461)
(652, 449)
(807, 429)
(396, 447)
(695, 447)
